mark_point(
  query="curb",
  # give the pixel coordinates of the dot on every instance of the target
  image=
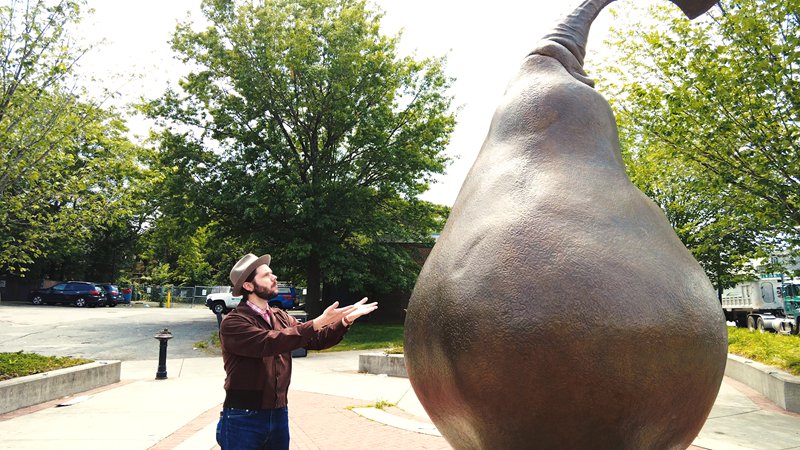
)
(30, 390)
(381, 363)
(780, 387)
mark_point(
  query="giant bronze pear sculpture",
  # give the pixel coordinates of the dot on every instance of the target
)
(558, 308)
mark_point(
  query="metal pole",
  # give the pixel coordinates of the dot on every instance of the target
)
(161, 374)
(163, 337)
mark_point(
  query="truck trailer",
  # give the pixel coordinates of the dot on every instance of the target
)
(767, 304)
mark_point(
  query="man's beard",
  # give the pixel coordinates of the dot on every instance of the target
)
(264, 293)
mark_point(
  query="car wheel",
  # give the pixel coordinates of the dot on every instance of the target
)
(760, 325)
(37, 300)
(751, 323)
(80, 303)
(218, 308)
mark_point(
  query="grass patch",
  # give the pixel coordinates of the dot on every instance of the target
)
(772, 349)
(370, 336)
(19, 364)
(380, 404)
(362, 336)
(210, 345)
(395, 350)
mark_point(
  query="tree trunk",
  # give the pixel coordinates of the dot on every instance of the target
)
(314, 305)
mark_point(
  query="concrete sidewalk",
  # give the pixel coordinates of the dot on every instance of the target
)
(330, 408)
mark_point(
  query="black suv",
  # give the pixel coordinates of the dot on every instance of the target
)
(113, 296)
(78, 293)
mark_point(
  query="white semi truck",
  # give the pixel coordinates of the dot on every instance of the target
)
(768, 304)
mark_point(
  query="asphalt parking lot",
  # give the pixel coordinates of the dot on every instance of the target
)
(124, 332)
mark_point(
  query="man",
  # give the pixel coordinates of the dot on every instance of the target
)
(257, 342)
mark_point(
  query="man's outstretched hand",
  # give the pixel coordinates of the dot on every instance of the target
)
(346, 314)
(362, 308)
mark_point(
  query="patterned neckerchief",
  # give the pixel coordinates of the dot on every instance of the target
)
(266, 314)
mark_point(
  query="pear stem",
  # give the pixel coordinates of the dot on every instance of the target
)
(573, 31)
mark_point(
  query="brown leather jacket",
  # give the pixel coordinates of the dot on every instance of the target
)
(258, 358)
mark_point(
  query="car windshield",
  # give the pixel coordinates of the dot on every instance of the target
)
(111, 288)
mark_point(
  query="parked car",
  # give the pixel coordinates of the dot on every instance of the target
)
(112, 293)
(222, 302)
(286, 299)
(78, 293)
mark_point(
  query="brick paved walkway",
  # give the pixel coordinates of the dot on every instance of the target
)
(324, 422)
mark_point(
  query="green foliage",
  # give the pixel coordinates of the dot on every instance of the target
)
(192, 268)
(707, 112)
(113, 206)
(772, 349)
(380, 404)
(21, 364)
(70, 182)
(383, 404)
(159, 275)
(304, 135)
(37, 117)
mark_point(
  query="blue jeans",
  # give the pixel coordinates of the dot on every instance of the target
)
(253, 429)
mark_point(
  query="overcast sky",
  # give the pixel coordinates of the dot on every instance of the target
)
(484, 45)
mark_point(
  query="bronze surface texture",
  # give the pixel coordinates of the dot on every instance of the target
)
(558, 308)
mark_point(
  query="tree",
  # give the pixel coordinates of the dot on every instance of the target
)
(36, 115)
(117, 179)
(83, 214)
(180, 232)
(710, 108)
(317, 138)
(66, 171)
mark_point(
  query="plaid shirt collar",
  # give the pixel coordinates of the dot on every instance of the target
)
(265, 313)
